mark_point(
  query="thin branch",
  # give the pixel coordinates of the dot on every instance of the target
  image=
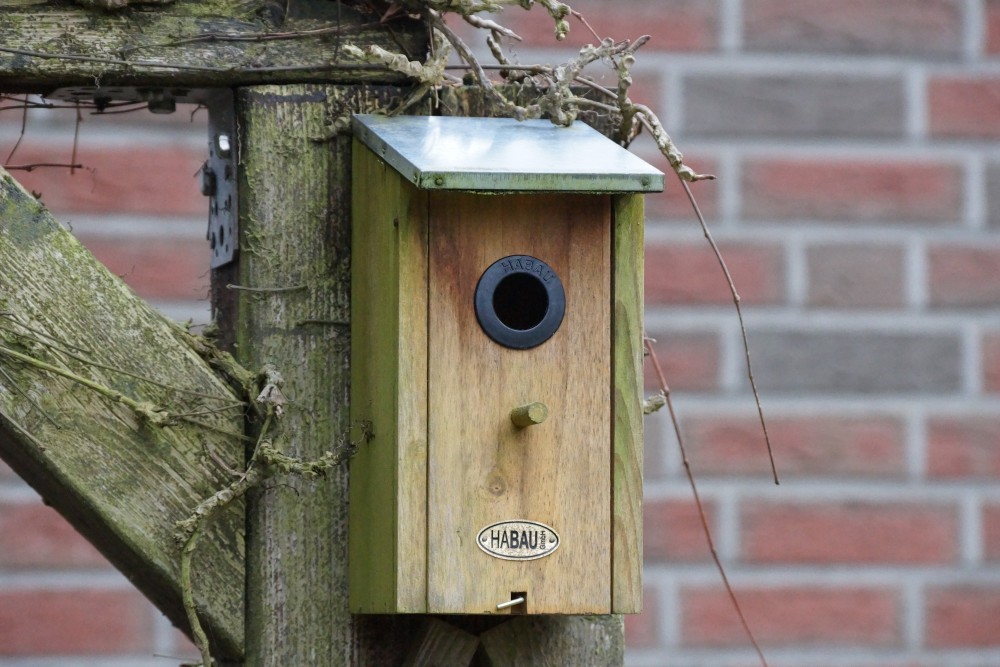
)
(492, 26)
(62, 346)
(242, 288)
(189, 531)
(147, 411)
(24, 126)
(739, 314)
(42, 334)
(434, 19)
(697, 501)
(27, 397)
(41, 165)
(76, 139)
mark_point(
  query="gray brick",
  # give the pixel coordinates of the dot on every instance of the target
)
(856, 362)
(924, 27)
(796, 105)
(993, 195)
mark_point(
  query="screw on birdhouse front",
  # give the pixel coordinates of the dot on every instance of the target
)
(529, 415)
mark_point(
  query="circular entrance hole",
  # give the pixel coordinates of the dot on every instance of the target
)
(521, 301)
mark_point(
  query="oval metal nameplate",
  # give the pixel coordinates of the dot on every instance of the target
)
(518, 540)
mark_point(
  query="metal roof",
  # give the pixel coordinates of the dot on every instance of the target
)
(503, 154)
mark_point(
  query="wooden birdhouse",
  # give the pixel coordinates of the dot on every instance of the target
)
(496, 352)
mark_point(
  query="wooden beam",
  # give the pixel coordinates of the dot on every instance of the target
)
(192, 44)
(85, 368)
(441, 644)
(554, 641)
(294, 183)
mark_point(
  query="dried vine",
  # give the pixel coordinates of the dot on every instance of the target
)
(265, 462)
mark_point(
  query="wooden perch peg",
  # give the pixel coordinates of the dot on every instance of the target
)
(529, 415)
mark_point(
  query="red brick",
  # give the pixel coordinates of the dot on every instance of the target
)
(160, 181)
(871, 446)
(686, 273)
(963, 616)
(843, 275)
(164, 268)
(855, 191)
(849, 532)
(63, 622)
(964, 447)
(790, 615)
(991, 362)
(672, 530)
(991, 532)
(964, 107)
(993, 26)
(854, 26)
(675, 25)
(964, 276)
(690, 361)
(35, 536)
(642, 630)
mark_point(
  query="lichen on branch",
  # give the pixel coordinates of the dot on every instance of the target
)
(559, 96)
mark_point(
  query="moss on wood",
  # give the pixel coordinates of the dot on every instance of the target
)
(192, 44)
(68, 326)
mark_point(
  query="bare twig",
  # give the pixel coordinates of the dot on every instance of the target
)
(665, 389)
(147, 411)
(743, 328)
(265, 462)
(266, 290)
(20, 136)
(492, 26)
(39, 337)
(41, 165)
(76, 139)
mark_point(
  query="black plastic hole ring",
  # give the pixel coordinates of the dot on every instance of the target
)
(520, 302)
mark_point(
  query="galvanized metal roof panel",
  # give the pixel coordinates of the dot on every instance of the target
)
(503, 154)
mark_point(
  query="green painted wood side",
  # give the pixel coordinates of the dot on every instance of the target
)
(294, 180)
(388, 507)
(174, 34)
(121, 482)
(626, 409)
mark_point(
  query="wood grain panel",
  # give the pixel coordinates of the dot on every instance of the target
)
(627, 348)
(388, 390)
(481, 468)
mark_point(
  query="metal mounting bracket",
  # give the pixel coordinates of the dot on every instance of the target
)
(218, 175)
(218, 178)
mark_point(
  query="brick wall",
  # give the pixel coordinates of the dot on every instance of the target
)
(858, 204)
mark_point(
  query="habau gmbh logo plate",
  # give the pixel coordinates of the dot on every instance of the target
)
(518, 540)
